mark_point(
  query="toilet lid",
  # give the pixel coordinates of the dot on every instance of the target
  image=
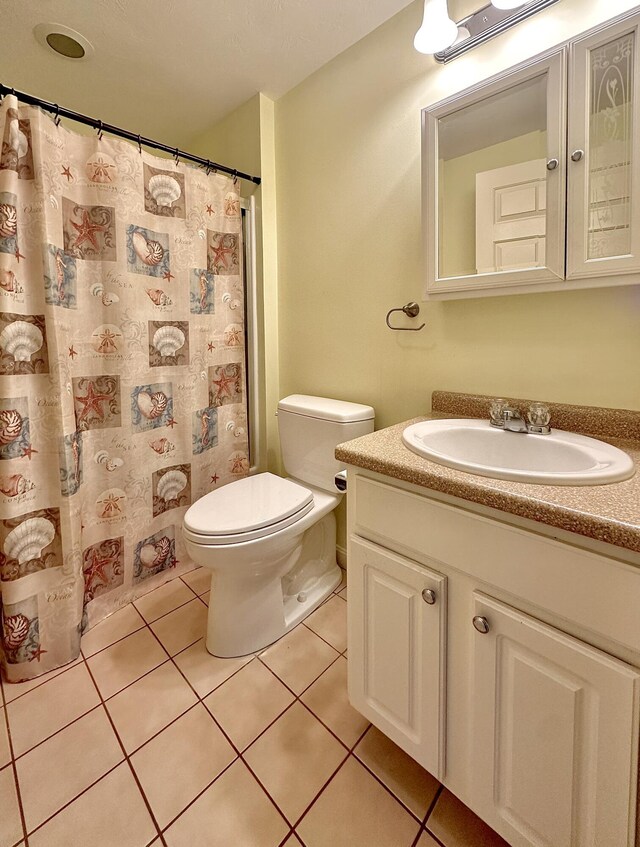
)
(248, 504)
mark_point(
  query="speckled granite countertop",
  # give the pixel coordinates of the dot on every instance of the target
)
(608, 513)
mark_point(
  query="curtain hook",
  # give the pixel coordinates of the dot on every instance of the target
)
(56, 120)
(99, 130)
(208, 167)
(235, 177)
(176, 156)
(139, 144)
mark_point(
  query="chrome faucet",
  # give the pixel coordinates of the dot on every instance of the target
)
(512, 420)
(507, 417)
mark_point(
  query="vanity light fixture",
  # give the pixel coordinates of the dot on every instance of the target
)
(437, 31)
(446, 40)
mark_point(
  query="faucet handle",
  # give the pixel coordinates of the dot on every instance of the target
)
(496, 411)
(539, 416)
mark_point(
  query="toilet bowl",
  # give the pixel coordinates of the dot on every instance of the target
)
(270, 542)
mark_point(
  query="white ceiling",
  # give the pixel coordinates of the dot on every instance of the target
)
(170, 69)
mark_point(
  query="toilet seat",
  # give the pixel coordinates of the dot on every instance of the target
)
(247, 509)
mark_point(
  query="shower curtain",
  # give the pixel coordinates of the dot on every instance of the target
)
(122, 374)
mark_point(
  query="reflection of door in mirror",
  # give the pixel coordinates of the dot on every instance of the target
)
(511, 205)
(504, 130)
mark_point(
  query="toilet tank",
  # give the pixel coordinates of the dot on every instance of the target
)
(310, 429)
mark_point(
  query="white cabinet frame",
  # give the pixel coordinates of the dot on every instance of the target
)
(568, 208)
(554, 66)
(578, 263)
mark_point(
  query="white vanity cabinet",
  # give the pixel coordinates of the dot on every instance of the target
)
(516, 682)
(531, 180)
(397, 656)
(554, 733)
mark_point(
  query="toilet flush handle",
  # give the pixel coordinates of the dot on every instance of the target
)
(341, 480)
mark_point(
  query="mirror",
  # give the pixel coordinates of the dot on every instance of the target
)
(492, 182)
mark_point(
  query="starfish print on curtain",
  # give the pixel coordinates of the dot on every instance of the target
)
(121, 367)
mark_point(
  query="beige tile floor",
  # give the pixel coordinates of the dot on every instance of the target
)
(149, 740)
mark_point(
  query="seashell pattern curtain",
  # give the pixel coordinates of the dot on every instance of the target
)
(122, 374)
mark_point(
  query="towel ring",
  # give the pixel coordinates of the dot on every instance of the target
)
(411, 310)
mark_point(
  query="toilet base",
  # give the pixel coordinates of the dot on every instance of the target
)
(295, 611)
(298, 607)
(247, 615)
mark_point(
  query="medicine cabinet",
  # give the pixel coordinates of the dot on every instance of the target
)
(531, 180)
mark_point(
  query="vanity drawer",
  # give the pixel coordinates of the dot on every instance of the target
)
(594, 592)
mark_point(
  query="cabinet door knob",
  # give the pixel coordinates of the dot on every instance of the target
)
(552, 164)
(481, 624)
(429, 596)
(577, 155)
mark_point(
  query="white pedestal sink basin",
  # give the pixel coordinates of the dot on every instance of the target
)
(559, 458)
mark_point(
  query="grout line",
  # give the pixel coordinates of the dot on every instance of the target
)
(156, 734)
(418, 836)
(193, 589)
(360, 737)
(57, 732)
(184, 582)
(313, 801)
(428, 815)
(129, 684)
(432, 805)
(352, 751)
(307, 687)
(239, 757)
(435, 838)
(77, 797)
(113, 643)
(145, 622)
(386, 787)
(126, 756)
(169, 611)
(198, 796)
(287, 837)
(306, 626)
(423, 827)
(15, 778)
(239, 754)
(59, 671)
(200, 698)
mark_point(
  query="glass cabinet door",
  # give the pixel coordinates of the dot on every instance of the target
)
(603, 172)
(494, 173)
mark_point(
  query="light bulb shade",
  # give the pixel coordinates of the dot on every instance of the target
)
(508, 4)
(437, 31)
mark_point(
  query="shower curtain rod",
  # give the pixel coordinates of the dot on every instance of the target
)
(59, 112)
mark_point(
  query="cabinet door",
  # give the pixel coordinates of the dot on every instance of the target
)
(396, 650)
(604, 144)
(494, 182)
(555, 734)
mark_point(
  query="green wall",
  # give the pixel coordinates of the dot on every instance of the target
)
(349, 232)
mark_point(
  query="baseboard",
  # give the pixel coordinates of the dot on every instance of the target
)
(341, 556)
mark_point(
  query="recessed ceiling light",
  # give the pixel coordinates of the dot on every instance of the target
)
(62, 40)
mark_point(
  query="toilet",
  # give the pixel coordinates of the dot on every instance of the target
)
(270, 542)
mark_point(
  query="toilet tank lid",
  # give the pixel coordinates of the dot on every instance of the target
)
(325, 408)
